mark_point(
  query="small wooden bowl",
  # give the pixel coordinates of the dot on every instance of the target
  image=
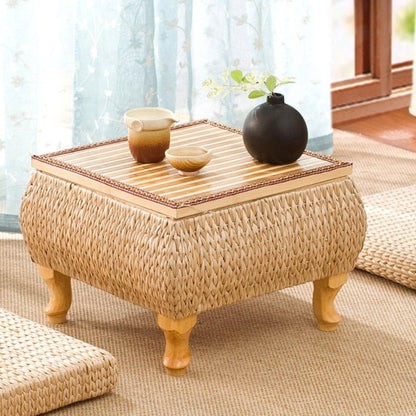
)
(188, 159)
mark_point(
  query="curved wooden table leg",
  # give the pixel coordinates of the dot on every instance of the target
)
(177, 354)
(59, 286)
(324, 294)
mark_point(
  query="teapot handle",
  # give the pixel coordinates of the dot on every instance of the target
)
(137, 125)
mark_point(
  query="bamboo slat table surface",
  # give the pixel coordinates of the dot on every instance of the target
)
(181, 245)
(233, 176)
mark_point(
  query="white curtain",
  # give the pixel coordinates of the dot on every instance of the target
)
(412, 108)
(70, 69)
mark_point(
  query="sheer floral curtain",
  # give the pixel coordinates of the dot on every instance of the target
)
(412, 108)
(69, 70)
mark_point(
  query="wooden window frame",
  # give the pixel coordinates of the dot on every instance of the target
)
(378, 85)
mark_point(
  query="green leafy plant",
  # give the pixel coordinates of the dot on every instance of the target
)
(257, 85)
(406, 21)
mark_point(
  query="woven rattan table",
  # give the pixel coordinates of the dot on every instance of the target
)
(182, 245)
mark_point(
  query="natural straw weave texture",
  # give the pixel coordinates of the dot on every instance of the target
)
(42, 369)
(390, 244)
(182, 267)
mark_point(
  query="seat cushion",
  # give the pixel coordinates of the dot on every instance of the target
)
(42, 369)
(390, 243)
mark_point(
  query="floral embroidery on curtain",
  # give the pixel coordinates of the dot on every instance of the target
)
(71, 69)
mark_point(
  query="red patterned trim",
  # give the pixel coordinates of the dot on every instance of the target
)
(261, 184)
(49, 159)
(79, 148)
(107, 181)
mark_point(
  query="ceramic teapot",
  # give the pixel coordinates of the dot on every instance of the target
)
(149, 132)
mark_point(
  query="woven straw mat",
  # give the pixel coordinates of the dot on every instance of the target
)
(42, 369)
(390, 244)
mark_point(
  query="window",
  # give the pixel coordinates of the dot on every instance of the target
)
(382, 68)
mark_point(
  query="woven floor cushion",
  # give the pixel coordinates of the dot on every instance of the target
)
(390, 243)
(42, 369)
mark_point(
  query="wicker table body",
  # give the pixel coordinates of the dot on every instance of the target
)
(180, 255)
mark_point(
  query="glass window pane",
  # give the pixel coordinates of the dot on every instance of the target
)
(403, 17)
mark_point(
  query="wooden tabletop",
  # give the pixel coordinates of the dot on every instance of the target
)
(231, 177)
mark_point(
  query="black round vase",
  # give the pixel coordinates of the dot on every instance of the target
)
(275, 132)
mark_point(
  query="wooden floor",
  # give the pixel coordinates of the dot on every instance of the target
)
(397, 128)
